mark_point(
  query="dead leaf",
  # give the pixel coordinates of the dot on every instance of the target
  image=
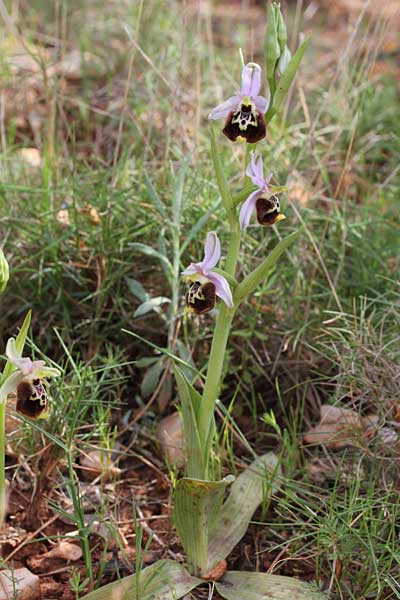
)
(299, 190)
(170, 437)
(31, 157)
(91, 212)
(98, 463)
(339, 427)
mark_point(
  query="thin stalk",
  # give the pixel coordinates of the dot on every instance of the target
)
(217, 354)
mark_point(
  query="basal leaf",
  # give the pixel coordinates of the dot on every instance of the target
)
(263, 586)
(163, 580)
(196, 505)
(253, 485)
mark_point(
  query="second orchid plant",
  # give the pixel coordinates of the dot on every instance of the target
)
(211, 514)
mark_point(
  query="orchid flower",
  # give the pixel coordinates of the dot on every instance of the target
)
(244, 112)
(28, 383)
(267, 205)
(206, 284)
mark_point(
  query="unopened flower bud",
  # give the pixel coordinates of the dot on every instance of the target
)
(4, 272)
(282, 31)
(272, 48)
(284, 61)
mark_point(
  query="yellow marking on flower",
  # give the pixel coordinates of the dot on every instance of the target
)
(280, 217)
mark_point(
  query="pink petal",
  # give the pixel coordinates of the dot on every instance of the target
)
(222, 288)
(255, 170)
(247, 209)
(212, 252)
(192, 269)
(222, 110)
(267, 180)
(251, 80)
(262, 103)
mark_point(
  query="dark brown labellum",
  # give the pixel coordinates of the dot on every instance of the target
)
(245, 122)
(268, 209)
(201, 297)
(31, 398)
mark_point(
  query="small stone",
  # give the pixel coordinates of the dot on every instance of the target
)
(66, 551)
(19, 583)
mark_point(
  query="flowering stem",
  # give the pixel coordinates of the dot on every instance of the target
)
(217, 354)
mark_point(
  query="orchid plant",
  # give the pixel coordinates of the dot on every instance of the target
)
(212, 514)
(27, 380)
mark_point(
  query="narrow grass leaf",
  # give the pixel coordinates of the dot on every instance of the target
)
(197, 503)
(263, 586)
(253, 486)
(163, 580)
(249, 284)
(289, 74)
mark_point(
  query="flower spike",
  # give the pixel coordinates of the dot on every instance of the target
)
(266, 204)
(28, 382)
(206, 284)
(244, 112)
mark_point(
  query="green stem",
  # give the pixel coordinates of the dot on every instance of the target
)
(3, 491)
(217, 354)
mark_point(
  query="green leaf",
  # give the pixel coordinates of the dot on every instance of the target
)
(289, 74)
(190, 402)
(178, 194)
(149, 305)
(155, 199)
(249, 283)
(196, 506)
(253, 486)
(151, 378)
(163, 580)
(221, 179)
(19, 343)
(243, 194)
(137, 289)
(263, 586)
(149, 251)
